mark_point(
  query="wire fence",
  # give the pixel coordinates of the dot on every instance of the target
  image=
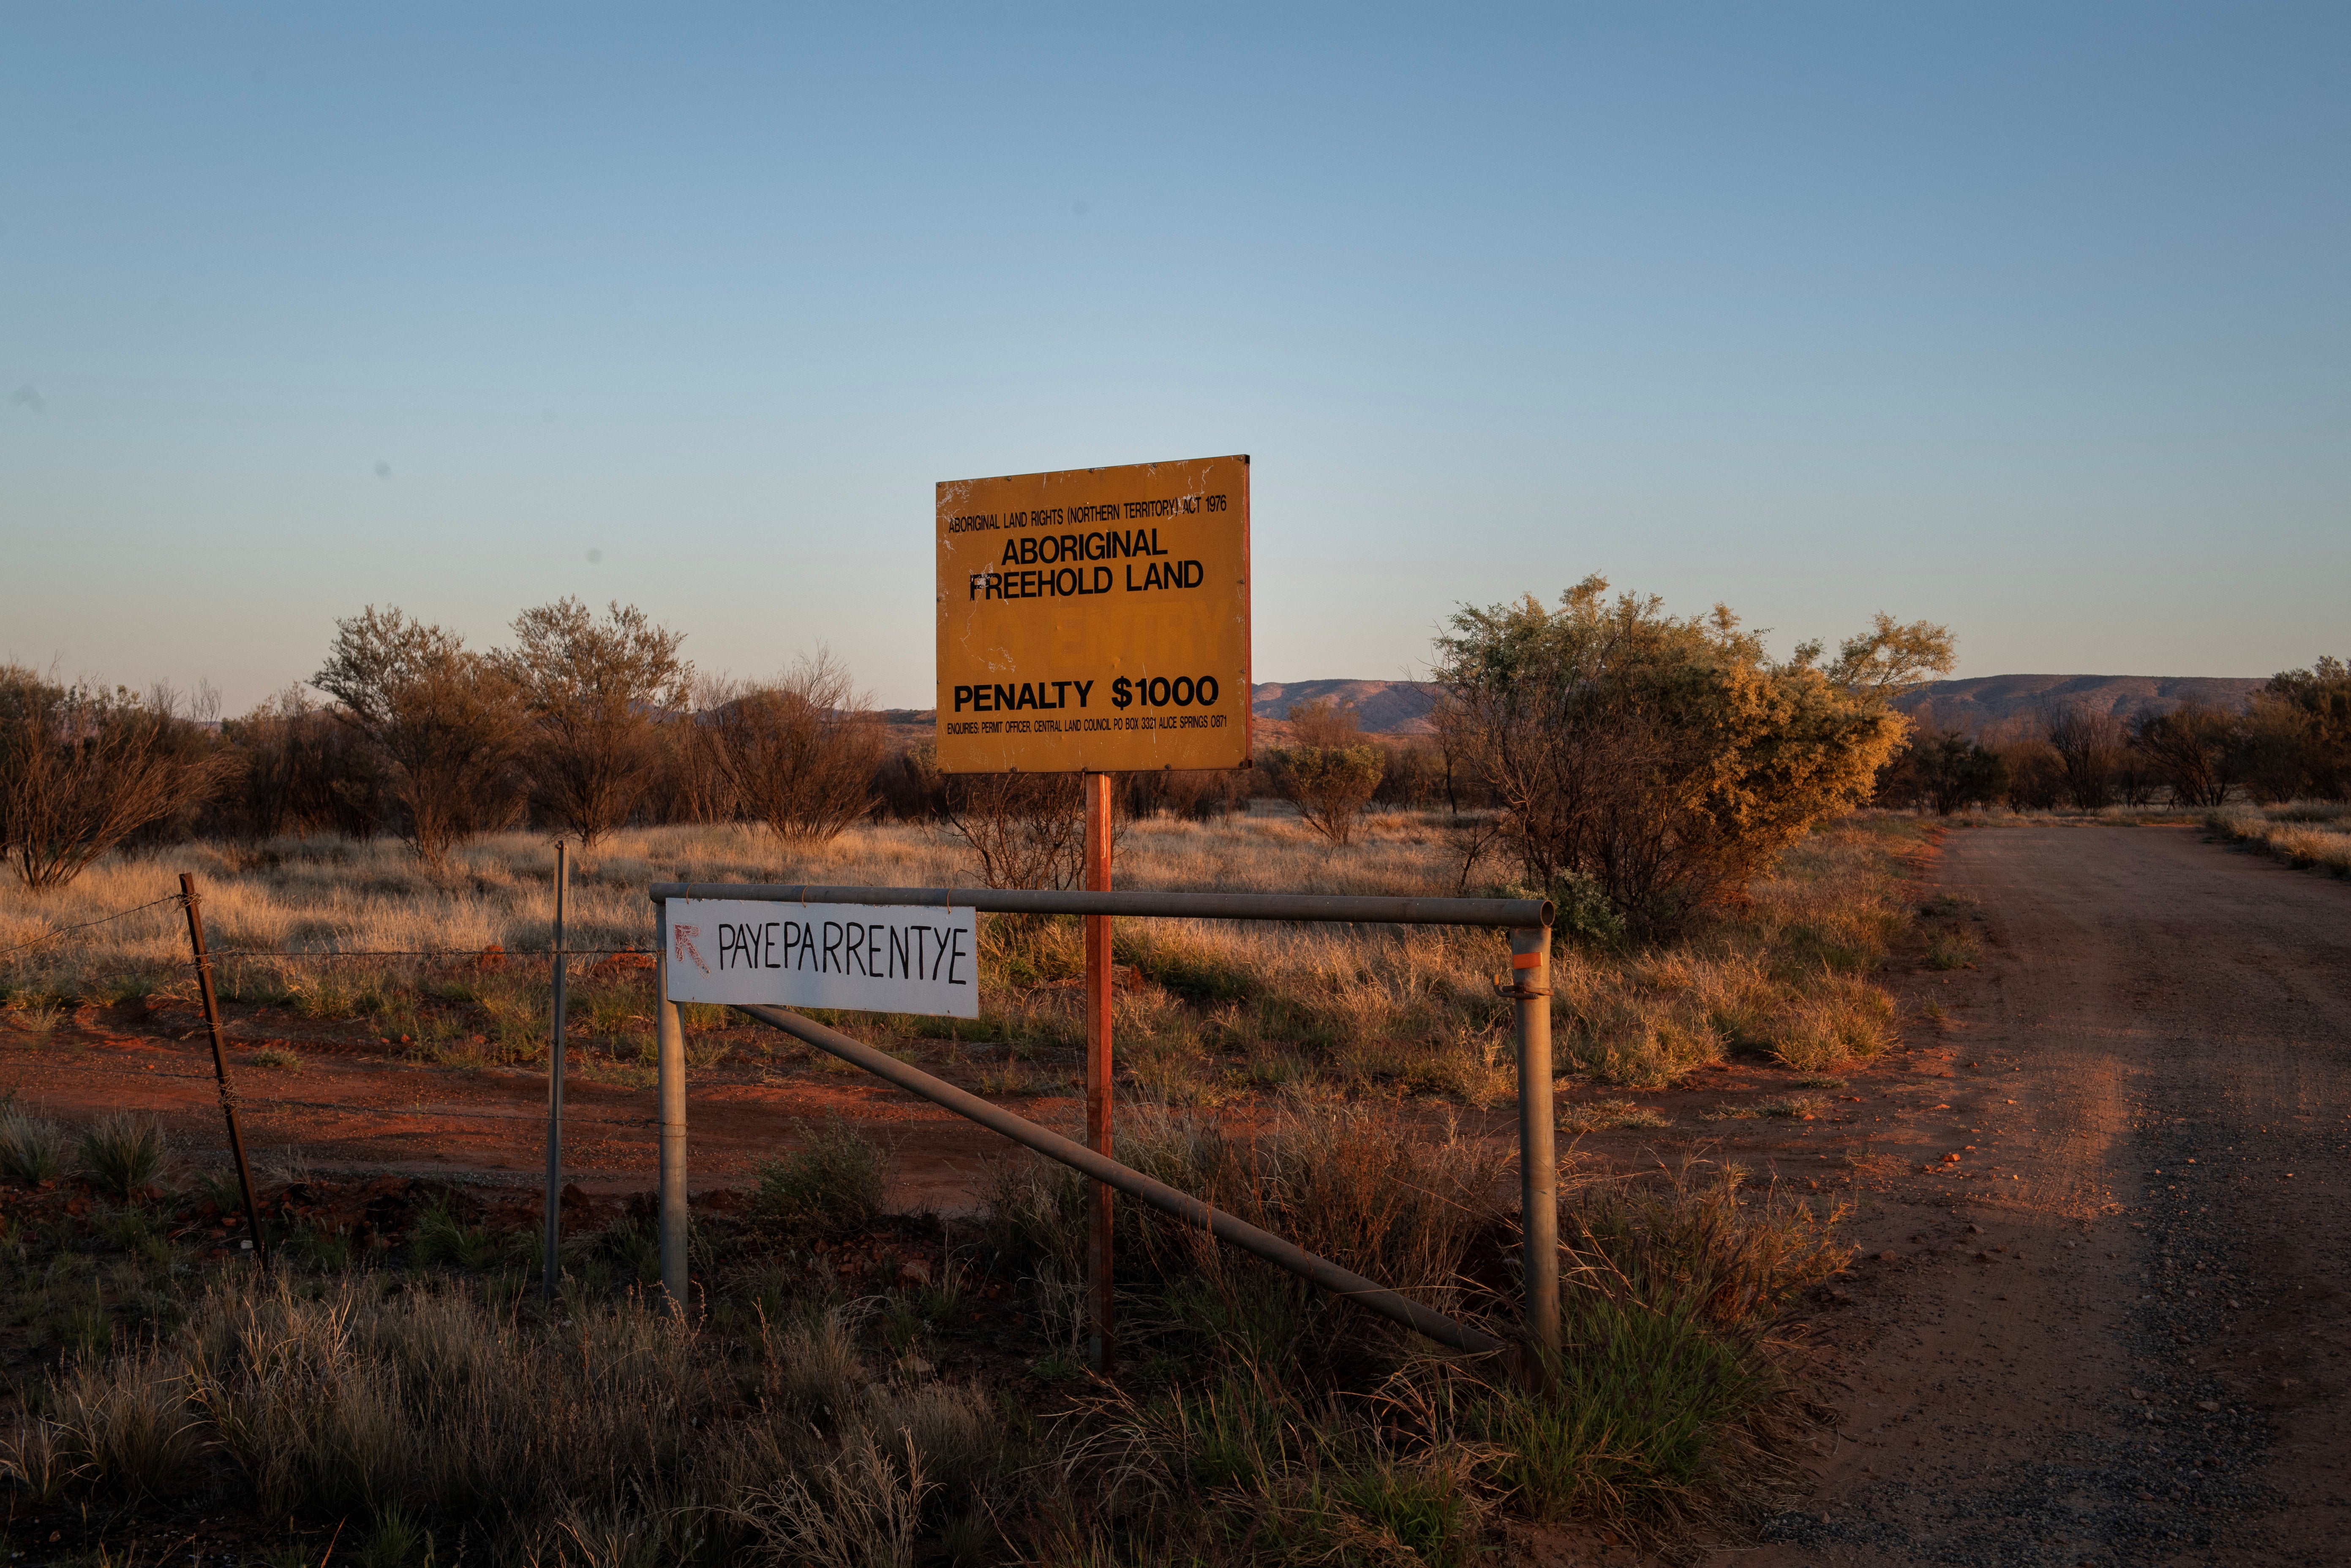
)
(323, 954)
(64, 931)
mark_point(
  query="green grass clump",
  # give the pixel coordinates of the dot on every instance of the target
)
(445, 1238)
(829, 1186)
(1952, 950)
(121, 1154)
(32, 1148)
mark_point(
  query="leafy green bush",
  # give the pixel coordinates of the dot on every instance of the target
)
(1669, 760)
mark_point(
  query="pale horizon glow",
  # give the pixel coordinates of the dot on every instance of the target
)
(2032, 321)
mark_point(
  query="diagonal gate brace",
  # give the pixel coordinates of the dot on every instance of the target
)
(1228, 1227)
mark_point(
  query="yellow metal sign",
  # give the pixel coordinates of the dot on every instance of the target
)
(1095, 619)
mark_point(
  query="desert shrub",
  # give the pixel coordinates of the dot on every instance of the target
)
(296, 769)
(2193, 748)
(1666, 758)
(1945, 772)
(82, 768)
(32, 1148)
(830, 1186)
(2089, 748)
(1028, 829)
(443, 722)
(121, 1153)
(800, 752)
(1329, 771)
(694, 785)
(593, 691)
(1414, 777)
(2297, 737)
(1329, 785)
(1200, 795)
(2036, 774)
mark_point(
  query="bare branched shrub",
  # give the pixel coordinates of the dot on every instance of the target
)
(298, 770)
(1329, 771)
(2194, 747)
(1028, 829)
(799, 753)
(2089, 746)
(1665, 759)
(694, 786)
(1945, 771)
(82, 768)
(444, 722)
(593, 691)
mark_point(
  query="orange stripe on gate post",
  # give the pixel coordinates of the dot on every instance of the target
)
(1098, 1067)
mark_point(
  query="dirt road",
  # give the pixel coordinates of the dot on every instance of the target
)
(2117, 1331)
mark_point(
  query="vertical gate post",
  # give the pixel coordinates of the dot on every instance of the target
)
(554, 1225)
(1098, 1067)
(220, 1066)
(1538, 1155)
(670, 1035)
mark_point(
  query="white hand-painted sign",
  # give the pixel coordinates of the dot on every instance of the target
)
(861, 957)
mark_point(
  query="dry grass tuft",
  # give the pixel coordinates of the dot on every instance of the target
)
(2308, 834)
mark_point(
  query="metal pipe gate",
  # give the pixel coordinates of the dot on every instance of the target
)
(1528, 920)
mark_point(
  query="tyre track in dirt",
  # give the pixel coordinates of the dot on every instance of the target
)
(2121, 1336)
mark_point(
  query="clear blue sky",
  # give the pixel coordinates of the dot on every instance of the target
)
(2033, 319)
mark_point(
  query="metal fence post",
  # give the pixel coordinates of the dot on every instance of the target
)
(1099, 1004)
(554, 1225)
(670, 1033)
(1538, 1154)
(220, 1067)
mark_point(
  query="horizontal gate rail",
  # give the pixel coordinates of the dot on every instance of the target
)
(1518, 914)
(1226, 1226)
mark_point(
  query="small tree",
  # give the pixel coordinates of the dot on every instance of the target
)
(2193, 748)
(799, 753)
(594, 691)
(1958, 772)
(1666, 760)
(444, 721)
(2300, 732)
(83, 768)
(1329, 772)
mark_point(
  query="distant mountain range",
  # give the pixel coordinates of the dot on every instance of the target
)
(1400, 708)
(1990, 699)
